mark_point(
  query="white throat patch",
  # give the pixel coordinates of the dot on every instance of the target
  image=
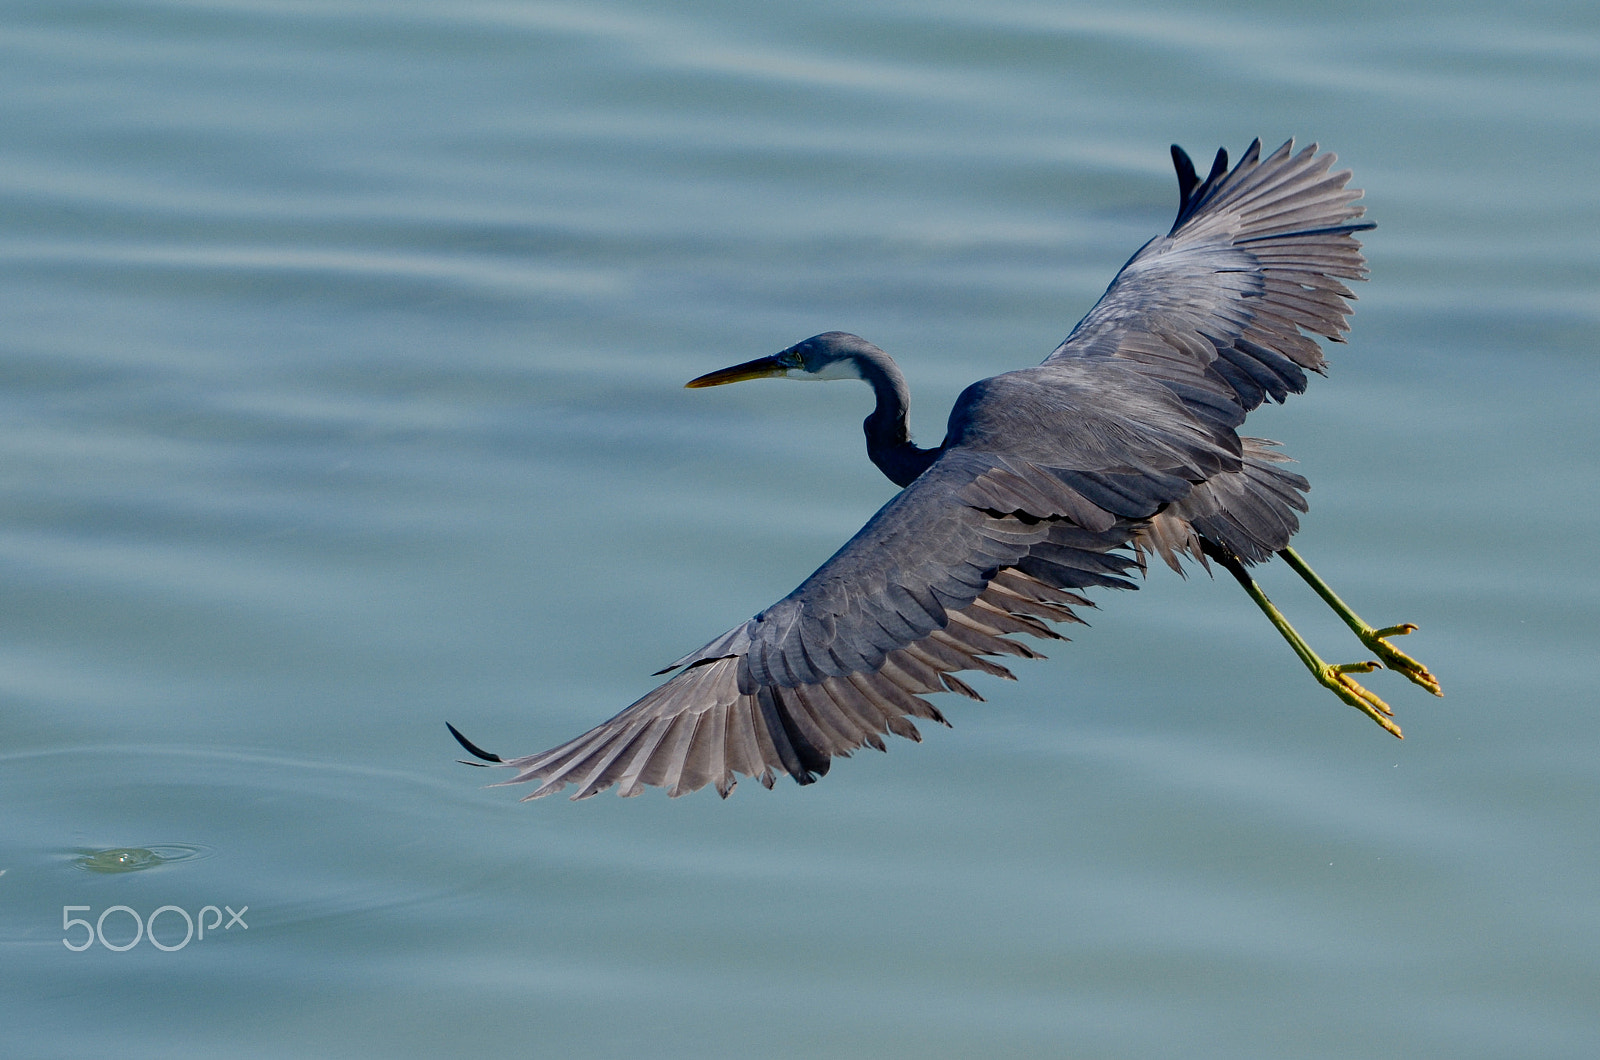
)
(845, 369)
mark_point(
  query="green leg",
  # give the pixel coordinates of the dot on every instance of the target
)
(1333, 677)
(1375, 639)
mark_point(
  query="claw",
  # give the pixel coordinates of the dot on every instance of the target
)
(1392, 657)
(1337, 680)
(1334, 678)
(1397, 660)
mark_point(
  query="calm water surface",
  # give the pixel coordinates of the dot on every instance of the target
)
(340, 396)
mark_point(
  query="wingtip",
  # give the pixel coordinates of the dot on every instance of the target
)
(1187, 177)
(1191, 189)
(472, 748)
(1219, 165)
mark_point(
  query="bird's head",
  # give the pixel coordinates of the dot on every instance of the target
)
(831, 355)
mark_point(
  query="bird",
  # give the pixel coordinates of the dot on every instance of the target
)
(1051, 481)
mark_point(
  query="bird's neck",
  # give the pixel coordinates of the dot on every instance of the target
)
(899, 459)
(889, 444)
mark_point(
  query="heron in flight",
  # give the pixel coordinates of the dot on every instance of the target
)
(1050, 481)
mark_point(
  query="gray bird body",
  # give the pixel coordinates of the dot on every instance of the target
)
(1051, 480)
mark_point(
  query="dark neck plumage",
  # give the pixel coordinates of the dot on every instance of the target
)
(888, 435)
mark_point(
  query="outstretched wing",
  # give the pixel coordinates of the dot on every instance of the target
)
(1223, 309)
(930, 586)
(987, 543)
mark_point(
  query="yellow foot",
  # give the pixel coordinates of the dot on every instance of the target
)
(1337, 679)
(1395, 659)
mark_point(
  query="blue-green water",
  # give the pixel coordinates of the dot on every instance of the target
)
(341, 352)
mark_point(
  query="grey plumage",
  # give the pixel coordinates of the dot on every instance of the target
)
(1050, 480)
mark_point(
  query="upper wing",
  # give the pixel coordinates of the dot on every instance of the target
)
(1221, 310)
